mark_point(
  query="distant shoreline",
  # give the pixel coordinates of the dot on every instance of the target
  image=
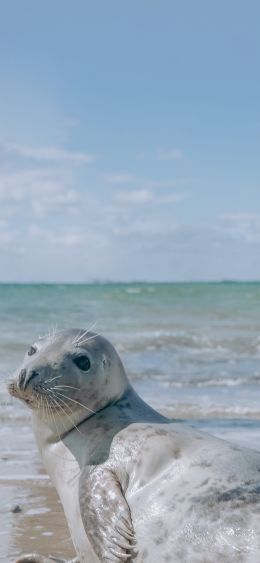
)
(126, 283)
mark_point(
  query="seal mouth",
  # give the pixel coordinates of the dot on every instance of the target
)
(12, 388)
(28, 387)
(15, 391)
(18, 386)
(36, 398)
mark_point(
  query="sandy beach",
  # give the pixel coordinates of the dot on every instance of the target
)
(31, 515)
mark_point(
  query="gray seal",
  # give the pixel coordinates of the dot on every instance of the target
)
(135, 486)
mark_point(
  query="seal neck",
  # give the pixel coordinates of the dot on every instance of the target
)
(131, 407)
(127, 409)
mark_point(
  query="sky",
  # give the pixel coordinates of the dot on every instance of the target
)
(129, 140)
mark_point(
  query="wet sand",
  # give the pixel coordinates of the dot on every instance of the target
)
(39, 525)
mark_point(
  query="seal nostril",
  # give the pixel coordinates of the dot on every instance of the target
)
(31, 376)
(22, 376)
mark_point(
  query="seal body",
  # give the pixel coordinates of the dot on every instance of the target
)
(134, 485)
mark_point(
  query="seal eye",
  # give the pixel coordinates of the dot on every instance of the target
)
(82, 362)
(32, 350)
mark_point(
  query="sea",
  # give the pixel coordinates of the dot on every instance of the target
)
(191, 350)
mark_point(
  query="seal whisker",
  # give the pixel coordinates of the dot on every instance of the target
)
(70, 419)
(54, 453)
(8, 379)
(80, 335)
(7, 373)
(46, 408)
(53, 400)
(62, 386)
(54, 330)
(45, 405)
(88, 339)
(77, 402)
(42, 336)
(76, 337)
(51, 417)
(66, 414)
(56, 400)
(56, 377)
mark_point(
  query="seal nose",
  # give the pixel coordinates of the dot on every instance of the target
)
(25, 377)
(30, 376)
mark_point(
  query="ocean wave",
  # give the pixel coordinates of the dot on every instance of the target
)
(206, 341)
(191, 411)
(18, 478)
(214, 382)
(193, 341)
(167, 380)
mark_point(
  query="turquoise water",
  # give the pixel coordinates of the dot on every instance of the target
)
(193, 349)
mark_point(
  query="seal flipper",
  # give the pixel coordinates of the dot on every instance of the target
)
(106, 515)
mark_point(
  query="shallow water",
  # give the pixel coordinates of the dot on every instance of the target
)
(191, 350)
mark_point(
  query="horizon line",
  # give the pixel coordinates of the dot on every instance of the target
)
(124, 282)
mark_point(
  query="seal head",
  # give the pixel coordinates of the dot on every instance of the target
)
(74, 367)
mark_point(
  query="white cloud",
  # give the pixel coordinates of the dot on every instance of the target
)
(148, 227)
(67, 238)
(241, 217)
(173, 183)
(53, 229)
(46, 153)
(120, 243)
(81, 239)
(38, 191)
(177, 234)
(140, 197)
(241, 226)
(6, 234)
(124, 178)
(121, 178)
(172, 198)
(169, 154)
(136, 197)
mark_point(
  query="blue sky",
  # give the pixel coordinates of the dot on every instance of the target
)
(129, 140)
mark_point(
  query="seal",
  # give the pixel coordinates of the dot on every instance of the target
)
(135, 486)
